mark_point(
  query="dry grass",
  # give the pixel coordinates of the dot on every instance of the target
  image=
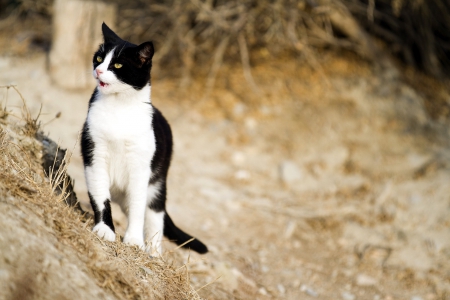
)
(416, 31)
(122, 271)
(198, 35)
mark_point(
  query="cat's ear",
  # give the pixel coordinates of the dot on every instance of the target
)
(145, 52)
(110, 36)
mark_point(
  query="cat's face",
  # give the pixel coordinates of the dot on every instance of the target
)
(119, 65)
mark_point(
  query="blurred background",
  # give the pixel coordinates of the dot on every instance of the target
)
(311, 137)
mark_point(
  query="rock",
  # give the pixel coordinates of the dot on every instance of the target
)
(146, 270)
(265, 110)
(251, 123)
(308, 291)
(263, 291)
(290, 229)
(281, 289)
(348, 296)
(365, 280)
(239, 109)
(289, 172)
(4, 275)
(242, 175)
(238, 158)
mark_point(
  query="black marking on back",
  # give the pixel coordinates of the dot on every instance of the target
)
(87, 146)
(161, 159)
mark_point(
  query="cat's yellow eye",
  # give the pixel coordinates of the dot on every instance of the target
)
(117, 66)
(99, 59)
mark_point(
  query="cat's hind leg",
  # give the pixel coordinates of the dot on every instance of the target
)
(154, 222)
(154, 217)
(136, 195)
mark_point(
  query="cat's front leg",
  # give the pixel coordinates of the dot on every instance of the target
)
(97, 180)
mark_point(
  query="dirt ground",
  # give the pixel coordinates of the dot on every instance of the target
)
(327, 184)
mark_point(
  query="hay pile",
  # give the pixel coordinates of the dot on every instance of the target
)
(47, 250)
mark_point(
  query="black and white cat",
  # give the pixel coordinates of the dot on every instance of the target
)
(126, 146)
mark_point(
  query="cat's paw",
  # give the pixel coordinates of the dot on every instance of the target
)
(103, 231)
(133, 241)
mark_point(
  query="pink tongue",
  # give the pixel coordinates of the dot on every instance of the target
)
(102, 83)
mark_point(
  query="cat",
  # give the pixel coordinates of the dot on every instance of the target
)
(126, 145)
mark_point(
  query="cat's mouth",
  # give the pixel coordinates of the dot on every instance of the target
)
(102, 84)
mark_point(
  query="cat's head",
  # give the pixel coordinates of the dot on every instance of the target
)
(120, 65)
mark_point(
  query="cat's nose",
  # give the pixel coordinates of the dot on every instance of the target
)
(98, 72)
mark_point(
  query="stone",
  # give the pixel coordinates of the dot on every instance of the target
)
(308, 291)
(348, 296)
(4, 275)
(289, 172)
(238, 158)
(146, 270)
(281, 289)
(290, 229)
(242, 175)
(365, 280)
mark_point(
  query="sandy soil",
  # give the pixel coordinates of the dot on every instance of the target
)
(331, 184)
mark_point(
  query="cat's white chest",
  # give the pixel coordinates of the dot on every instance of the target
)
(124, 142)
(117, 121)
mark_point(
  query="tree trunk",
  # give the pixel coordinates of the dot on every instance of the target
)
(76, 36)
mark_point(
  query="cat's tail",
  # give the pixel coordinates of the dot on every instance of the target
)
(178, 236)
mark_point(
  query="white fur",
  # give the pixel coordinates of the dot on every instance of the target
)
(119, 122)
(154, 226)
(154, 222)
(104, 232)
(153, 191)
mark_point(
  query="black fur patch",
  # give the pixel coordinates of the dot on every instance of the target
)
(175, 234)
(158, 203)
(136, 60)
(107, 215)
(97, 213)
(87, 146)
(161, 160)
